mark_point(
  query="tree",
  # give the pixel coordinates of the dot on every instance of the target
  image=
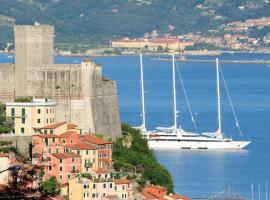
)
(6, 124)
(138, 156)
(50, 187)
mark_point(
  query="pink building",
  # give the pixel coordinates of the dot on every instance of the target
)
(43, 148)
(65, 166)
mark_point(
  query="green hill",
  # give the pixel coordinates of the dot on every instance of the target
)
(98, 21)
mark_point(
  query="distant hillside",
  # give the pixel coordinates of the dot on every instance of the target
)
(97, 21)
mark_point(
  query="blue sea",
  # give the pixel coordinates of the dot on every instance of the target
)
(200, 173)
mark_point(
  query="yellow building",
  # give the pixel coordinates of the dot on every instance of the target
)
(89, 155)
(29, 116)
(82, 188)
(59, 128)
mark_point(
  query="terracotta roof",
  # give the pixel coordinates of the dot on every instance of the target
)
(154, 191)
(101, 171)
(94, 140)
(3, 155)
(82, 146)
(178, 197)
(71, 126)
(67, 134)
(53, 126)
(65, 155)
(122, 181)
(48, 135)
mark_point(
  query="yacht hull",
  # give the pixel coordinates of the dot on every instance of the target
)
(159, 144)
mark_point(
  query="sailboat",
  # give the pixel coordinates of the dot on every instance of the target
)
(176, 138)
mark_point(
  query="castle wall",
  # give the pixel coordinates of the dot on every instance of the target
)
(6, 82)
(83, 97)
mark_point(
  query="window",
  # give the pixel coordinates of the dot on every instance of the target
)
(69, 176)
(22, 130)
(13, 112)
(104, 185)
(72, 159)
(53, 140)
(49, 150)
(86, 152)
(47, 120)
(51, 131)
(94, 186)
(47, 111)
(57, 150)
(110, 185)
(73, 168)
(64, 141)
(104, 194)
(50, 168)
(38, 121)
(23, 120)
(23, 112)
(46, 141)
(45, 131)
(93, 195)
(94, 152)
(60, 169)
(71, 141)
(123, 187)
(78, 152)
(50, 120)
(49, 158)
(38, 111)
(60, 176)
(61, 161)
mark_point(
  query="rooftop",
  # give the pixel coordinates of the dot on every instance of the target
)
(65, 155)
(82, 146)
(67, 134)
(48, 135)
(94, 140)
(122, 181)
(54, 126)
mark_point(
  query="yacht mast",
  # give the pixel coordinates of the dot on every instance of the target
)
(142, 94)
(218, 98)
(174, 93)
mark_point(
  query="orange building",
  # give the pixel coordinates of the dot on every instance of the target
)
(156, 192)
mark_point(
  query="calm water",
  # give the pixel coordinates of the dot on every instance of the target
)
(199, 173)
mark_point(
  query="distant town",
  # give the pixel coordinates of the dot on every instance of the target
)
(233, 36)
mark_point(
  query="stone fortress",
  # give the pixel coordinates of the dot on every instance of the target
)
(84, 97)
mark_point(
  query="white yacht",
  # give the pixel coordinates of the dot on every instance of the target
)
(176, 138)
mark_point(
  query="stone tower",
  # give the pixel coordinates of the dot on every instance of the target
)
(83, 96)
(33, 46)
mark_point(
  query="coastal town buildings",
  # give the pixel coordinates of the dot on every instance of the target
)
(170, 43)
(30, 116)
(104, 150)
(156, 192)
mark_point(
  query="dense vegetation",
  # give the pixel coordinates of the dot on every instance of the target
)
(131, 152)
(6, 124)
(83, 23)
